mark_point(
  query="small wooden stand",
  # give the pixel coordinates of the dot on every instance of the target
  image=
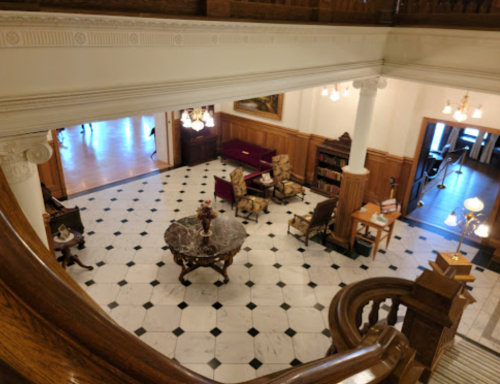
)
(461, 267)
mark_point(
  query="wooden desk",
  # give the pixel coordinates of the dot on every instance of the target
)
(462, 266)
(365, 219)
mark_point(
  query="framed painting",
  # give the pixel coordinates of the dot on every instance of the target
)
(266, 106)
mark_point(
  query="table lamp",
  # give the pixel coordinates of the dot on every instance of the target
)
(468, 221)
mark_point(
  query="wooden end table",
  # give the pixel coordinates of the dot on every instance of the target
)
(65, 248)
(191, 250)
(365, 219)
(268, 189)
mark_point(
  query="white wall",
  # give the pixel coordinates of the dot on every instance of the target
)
(399, 110)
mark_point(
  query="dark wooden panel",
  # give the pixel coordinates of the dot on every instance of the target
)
(51, 172)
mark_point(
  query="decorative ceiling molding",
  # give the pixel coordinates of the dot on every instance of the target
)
(20, 29)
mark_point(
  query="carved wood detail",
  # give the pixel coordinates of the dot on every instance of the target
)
(51, 173)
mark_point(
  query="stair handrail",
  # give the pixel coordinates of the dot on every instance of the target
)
(51, 331)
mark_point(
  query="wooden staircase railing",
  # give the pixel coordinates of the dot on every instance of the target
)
(51, 332)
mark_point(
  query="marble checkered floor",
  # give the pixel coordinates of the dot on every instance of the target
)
(273, 313)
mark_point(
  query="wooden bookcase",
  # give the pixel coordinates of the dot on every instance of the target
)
(331, 156)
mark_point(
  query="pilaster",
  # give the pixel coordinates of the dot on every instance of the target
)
(19, 156)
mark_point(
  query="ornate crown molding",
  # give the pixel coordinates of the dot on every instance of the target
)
(19, 155)
(24, 29)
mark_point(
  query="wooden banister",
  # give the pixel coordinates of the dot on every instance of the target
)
(51, 332)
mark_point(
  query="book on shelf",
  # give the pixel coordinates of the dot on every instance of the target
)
(333, 160)
(331, 174)
(327, 187)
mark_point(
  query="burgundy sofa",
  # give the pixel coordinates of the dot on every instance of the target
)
(246, 153)
(224, 188)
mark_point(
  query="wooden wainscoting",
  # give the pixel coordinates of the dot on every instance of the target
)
(51, 172)
(302, 150)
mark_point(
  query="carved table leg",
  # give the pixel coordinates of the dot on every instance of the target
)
(227, 264)
(68, 256)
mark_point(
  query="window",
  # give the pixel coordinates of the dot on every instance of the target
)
(471, 134)
(436, 139)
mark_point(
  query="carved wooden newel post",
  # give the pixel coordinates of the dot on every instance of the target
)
(435, 307)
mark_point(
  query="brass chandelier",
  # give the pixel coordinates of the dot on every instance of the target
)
(462, 111)
(337, 90)
(197, 118)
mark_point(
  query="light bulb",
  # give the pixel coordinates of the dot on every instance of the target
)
(187, 123)
(335, 95)
(459, 116)
(346, 91)
(197, 125)
(324, 91)
(447, 109)
(185, 116)
(451, 220)
(210, 122)
(474, 204)
(206, 116)
(483, 230)
(477, 113)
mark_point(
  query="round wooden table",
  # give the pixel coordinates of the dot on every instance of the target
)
(65, 248)
(191, 250)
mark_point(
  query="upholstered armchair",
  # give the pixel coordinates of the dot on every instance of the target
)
(224, 188)
(251, 204)
(282, 174)
(309, 224)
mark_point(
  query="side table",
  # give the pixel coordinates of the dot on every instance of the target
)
(268, 188)
(65, 248)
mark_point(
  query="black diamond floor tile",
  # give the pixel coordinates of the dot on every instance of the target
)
(214, 363)
(217, 305)
(363, 267)
(250, 284)
(183, 305)
(277, 265)
(113, 305)
(312, 284)
(255, 364)
(280, 284)
(89, 283)
(100, 263)
(218, 283)
(251, 306)
(326, 332)
(154, 283)
(319, 307)
(122, 283)
(253, 332)
(394, 268)
(139, 332)
(216, 331)
(290, 332)
(285, 306)
(178, 331)
(335, 266)
(148, 305)
(295, 362)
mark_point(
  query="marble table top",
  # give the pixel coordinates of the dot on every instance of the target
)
(183, 236)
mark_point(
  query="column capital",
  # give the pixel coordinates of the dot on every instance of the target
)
(19, 154)
(370, 85)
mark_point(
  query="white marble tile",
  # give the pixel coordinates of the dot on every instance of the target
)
(351, 275)
(162, 318)
(270, 319)
(294, 275)
(234, 348)
(234, 294)
(234, 319)
(263, 274)
(317, 258)
(148, 256)
(103, 293)
(127, 240)
(267, 295)
(142, 273)
(292, 258)
(299, 295)
(169, 274)
(309, 347)
(203, 276)
(163, 342)
(261, 258)
(168, 294)
(305, 320)
(325, 294)
(198, 319)
(134, 294)
(238, 274)
(130, 317)
(324, 275)
(110, 273)
(119, 256)
(201, 294)
(258, 242)
(195, 347)
(234, 373)
(274, 348)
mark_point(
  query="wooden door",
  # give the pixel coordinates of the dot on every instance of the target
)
(420, 169)
(51, 172)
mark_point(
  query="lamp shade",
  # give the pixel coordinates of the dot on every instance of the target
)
(447, 109)
(483, 230)
(324, 92)
(477, 113)
(451, 220)
(187, 123)
(474, 204)
(197, 125)
(185, 116)
(210, 122)
(335, 95)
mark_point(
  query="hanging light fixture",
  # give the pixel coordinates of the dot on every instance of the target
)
(337, 91)
(197, 118)
(462, 111)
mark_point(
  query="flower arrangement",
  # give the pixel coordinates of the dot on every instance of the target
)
(206, 214)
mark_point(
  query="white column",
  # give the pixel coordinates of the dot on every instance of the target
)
(368, 92)
(18, 158)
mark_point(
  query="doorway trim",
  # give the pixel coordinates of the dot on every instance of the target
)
(423, 127)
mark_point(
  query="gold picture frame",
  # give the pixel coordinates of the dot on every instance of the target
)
(270, 107)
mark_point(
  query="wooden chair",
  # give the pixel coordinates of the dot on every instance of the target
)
(245, 202)
(308, 224)
(282, 174)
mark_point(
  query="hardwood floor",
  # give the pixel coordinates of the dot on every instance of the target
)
(115, 150)
(477, 180)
